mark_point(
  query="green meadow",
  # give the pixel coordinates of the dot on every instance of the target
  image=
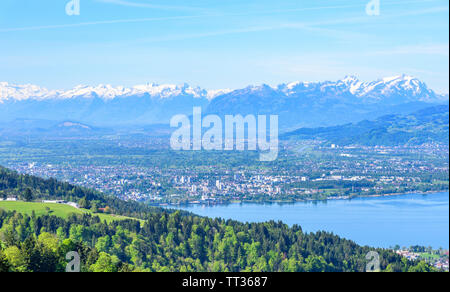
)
(59, 210)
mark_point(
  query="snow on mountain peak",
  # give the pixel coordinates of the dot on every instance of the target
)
(214, 93)
(352, 83)
(408, 84)
(350, 79)
(401, 85)
(398, 78)
(292, 85)
(105, 91)
(22, 92)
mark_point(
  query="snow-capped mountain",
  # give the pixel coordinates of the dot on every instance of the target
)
(298, 104)
(102, 105)
(312, 104)
(406, 86)
(23, 92)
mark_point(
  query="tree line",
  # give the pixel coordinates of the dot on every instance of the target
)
(167, 241)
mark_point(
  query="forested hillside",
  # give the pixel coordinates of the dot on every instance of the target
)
(29, 188)
(429, 125)
(165, 241)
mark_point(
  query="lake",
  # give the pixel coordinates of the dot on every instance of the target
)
(406, 220)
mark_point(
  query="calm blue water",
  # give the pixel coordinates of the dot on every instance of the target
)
(380, 222)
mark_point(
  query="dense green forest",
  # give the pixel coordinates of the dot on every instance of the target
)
(165, 241)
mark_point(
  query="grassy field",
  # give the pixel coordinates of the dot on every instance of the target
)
(429, 256)
(58, 210)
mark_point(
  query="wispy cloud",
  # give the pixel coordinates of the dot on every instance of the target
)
(168, 7)
(318, 26)
(364, 19)
(149, 5)
(348, 20)
(424, 49)
(117, 21)
(332, 33)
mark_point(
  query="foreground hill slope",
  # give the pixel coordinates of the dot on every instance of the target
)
(166, 241)
(13, 184)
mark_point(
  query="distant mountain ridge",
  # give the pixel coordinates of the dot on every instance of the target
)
(306, 104)
(430, 125)
(298, 104)
(20, 128)
(16, 92)
(404, 86)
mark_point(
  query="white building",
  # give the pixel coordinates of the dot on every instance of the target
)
(218, 185)
(53, 201)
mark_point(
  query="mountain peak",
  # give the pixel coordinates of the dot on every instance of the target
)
(297, 103)
(16, 92)
(402, 77)
(403, 85)
(350, 79)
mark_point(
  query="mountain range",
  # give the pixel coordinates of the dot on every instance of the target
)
(298, 104)
(328, 103)
(28, 128)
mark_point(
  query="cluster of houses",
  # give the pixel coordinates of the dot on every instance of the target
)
(441, 263)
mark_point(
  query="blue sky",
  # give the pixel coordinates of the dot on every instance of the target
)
(221, 43)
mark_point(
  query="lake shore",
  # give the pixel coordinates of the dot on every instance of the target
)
(382, 221)
(286, 202)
